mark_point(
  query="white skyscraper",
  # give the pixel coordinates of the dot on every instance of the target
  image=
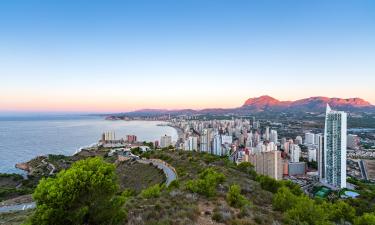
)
(319, 142)
(335, 148)
(165, 141)
(309, 138)
(206, 138)
(267, 134)
(217, 146)
(295, 153)
(273, 137)
(191, 144)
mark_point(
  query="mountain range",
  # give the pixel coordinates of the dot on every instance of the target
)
(268, 103)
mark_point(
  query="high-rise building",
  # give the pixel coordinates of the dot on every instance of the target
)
(298, 140)
(267, 163)
(319, 143)
(273, 136)
(165, 141)
(295, 153)
(309, 138)
(193, 143)
(221, 144)
(267, 134)
(206, 140)
(217, 147)
(353, 141)
(335, 148)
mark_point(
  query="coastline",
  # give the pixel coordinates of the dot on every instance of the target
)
(66, 137)
(180, 132)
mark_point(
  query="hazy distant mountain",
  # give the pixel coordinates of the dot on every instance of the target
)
(313, 104)
(270, 104)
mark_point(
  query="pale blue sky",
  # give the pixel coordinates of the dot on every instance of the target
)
(124, 55)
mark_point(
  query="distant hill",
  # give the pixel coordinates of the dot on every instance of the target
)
(314, 104)
(270, 104)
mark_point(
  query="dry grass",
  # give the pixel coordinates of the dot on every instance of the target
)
(138, 176)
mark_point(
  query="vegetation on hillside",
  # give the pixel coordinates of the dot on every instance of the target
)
(13, 185)
(84, 194)
(209, 190)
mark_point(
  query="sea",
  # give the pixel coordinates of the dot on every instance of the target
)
(25, 137)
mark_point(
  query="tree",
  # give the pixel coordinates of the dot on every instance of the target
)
(83, 194)
(234, 197)
(268, 183)
(248, 168)
(284, 199)
(305, 211)
(339, 211)
(245, 167)
(365, 219)
(294, 188)
(206, 183)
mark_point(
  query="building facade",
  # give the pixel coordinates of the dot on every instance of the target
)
(165, 141)
(334, 154)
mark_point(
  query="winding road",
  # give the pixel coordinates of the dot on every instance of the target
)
(168, 170)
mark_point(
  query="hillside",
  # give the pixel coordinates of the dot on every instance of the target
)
(213, 190)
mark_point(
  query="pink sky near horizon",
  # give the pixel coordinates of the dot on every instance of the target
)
(88, 103)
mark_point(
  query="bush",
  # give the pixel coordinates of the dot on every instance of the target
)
(294, 188)
(206, 183)
(152, 192)
(218, 217)
(248, 168)
(339, 211)
(245, 167)
(284, 200)
(303, 210)
(365, 219)
(268, 183)
(83, 194)
(234, 197)
(174, 185)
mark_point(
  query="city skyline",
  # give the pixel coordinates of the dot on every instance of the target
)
(113, 56)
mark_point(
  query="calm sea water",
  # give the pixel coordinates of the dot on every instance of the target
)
(23, 138)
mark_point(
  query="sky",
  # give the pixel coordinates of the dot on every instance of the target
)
(117, 56)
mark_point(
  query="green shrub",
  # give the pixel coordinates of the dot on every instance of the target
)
(174, 185)
(268, 183)
(305, 211)
(152, 192)
(245, 167)
(83, 194)
(206, 183)
(365, 219)
(300, 209)
(339, 211)
(234, 197)
(284, 200)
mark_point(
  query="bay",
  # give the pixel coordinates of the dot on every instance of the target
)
(23, 138)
